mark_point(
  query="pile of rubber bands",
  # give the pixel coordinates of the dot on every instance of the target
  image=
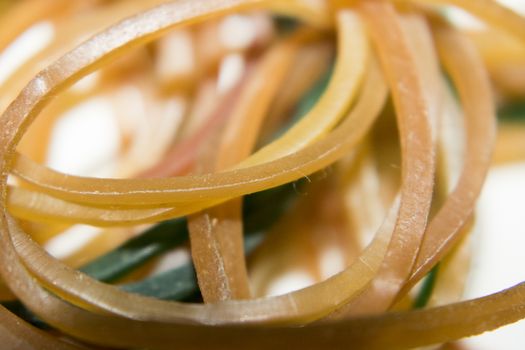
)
(276, 136)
